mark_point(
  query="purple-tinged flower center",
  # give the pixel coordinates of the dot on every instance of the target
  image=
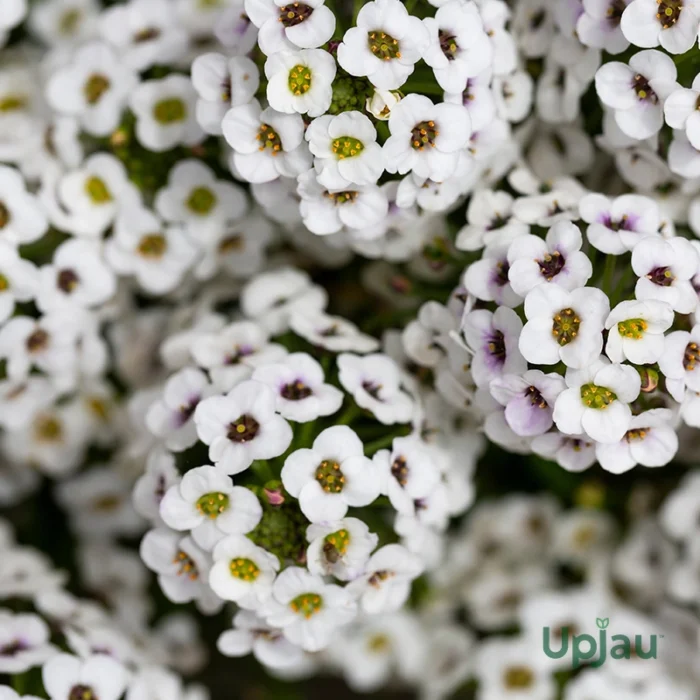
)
(565, 326)
(501, 276)
(296, 391)
(643, 89)
(615, 10)
(536, 398)
(240, 351)
(551, 265)
(497, 346)
(661, 276)
(243, 429)
(372, 388)
(625, 223)
(185, 410)
(13, 647)
(691, 356)
(399, 470)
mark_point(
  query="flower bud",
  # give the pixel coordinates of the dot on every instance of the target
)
(273, 493)
(649, 377)
(381, 103)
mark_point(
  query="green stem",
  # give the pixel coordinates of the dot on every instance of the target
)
(349, 414)
(262, 470)
(608, 273)
(379, 444)
(619, 292)
(19, 683)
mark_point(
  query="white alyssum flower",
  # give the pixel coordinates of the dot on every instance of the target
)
(345, 150)
(77, 275)
(528, 399)
(308, 611)
(326, 211)
(19, 280)
(159, 475)
(242, 571)
(673, 24)
(332, 333)
(300, 81)
(242, 426)
(165, 113)
(598, 26)
(597, 401)
(94, 88)
(195, 198)
(100, 676)
(680, 362)
(426, 138)
(381, 102)
(386, 582)
(287, 25)
(575, 453)
(207, 503)
(222, 83)
(564, 326)
(650, 441)
(22, 219)
(267, 144)
(375, 383)
(385, 45)
(681, 111)
(636, 331)
(298, 383)
(459, 47)
(636, 92)
(558, 259)
(339, 548)
(666, 269)
(156, 255)
(25, 642)
(331, 476)
(488, 278)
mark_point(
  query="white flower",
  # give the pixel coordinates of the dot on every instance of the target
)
(207, 503)
(286, 25)
(666, 269)
(673, 24)
(158, 256)
(22, 219)
(489, 220)
(573, 453)
(636, 92)
(681, 111)
(308, 611)
(65, 23)
(266, 143)
(77, 275)
(488, 278)
(557, 259)
(381, 102)
(298, 383)
(242, 572)
(242, 427)
(426, 138)
(195, 198)
(159, 475)
(165, 113)
(332, 333)
(564, 326)
(345, 150)
(493, 339)
(231, 353)
(410, 472)
(385, 44)
(599, 25)
(24, 642)
(340, 549)
(650, 441)
(331, 476)
(170, 417)
(222, 83)
(99, 675)
(597, 401)
(375, 383)
(427, 339)
(386, 582)
(300, 81)
(617, 225)
(327, 211)
(182, 568)
(94, 88)
(636, 331)
(19, 279)
(13, 12)
(680, 360)
(459, 47)
(251, 633)
(528, 400)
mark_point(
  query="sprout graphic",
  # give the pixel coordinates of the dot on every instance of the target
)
(602, 622)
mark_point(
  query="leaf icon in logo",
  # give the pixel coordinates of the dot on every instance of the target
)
(602, 622)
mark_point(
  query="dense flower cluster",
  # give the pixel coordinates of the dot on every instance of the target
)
(345, 325)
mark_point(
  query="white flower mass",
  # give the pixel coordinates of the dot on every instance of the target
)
(350, 347)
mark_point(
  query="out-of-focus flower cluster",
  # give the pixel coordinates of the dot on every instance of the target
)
(331, 333)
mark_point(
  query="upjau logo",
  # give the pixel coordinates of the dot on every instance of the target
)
(587, 649)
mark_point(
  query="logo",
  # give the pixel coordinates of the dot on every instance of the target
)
(587, 649)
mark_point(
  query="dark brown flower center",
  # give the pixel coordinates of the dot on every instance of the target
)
(668, 12)
(424, 134)
(399, 470)
(296, 13)
(67, 281)
(243, 429)
(536, 398)
(615, 10)
(296, 391)
(497, 345)
(551, 265)
(642, 88)
(661, 276)
(448, 44)
(82, 692)
(373, 389)
(38, 340)
(691, 356)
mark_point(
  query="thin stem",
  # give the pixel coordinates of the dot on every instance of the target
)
(379, 444)
(262, 470)
(609, 273)
(349, 414)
